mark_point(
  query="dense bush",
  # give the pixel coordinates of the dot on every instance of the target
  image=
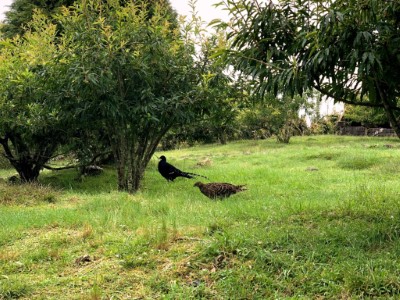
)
(203, 132)
(260, 121)
(366, 116)
(324, 125)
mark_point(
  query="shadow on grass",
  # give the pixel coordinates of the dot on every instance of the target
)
(70, 180)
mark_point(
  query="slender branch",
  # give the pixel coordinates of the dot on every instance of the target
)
(367, 104)
(60, 168)
(8, 154)
(238, 10)
(98, 155)
(272, 66)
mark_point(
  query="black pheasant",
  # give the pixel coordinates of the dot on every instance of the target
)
(169, 172)
(216, 190)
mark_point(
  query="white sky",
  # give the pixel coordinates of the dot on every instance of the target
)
(205, 9)
(4, 7)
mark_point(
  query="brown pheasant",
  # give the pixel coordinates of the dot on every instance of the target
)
(216, 190)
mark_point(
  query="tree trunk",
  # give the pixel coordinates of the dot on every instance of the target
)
(27, 171)
(132, 154)
(223, 139)
(394, 122)
(392, 119)
(27, 164)
(122, 181)
(136, 177)
(119, 149)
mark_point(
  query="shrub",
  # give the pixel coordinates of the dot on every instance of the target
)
(366, 116)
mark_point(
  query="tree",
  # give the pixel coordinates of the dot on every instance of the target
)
(30, 130)
(222, 94)
(128, 71)
(347, 50)
(21, 14)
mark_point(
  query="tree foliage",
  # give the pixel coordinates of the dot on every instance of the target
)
(366, 116)
(117, 75)
(22, 11)
(30, 129)
(348, 50)
(222, 93)
(129, 73)
(225, 95)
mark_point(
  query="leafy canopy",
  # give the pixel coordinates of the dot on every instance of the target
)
(126, 69)
(30, 128)
(348, 50)
(22, 11)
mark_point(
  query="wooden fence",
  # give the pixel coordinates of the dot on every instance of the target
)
(344, 129)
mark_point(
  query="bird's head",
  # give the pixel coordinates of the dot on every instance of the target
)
(162, 157)
(198, 184)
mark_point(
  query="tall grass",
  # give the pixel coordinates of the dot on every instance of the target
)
(320, 220)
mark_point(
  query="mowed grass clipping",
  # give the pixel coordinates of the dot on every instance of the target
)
(320, 220)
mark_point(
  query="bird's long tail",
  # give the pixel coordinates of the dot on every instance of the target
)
(192, 175)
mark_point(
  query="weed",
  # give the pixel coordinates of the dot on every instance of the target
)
(95, 293)
(87, 231)
(27, 194)
(13, 288)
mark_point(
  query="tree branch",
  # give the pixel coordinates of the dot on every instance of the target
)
(269, 65)
(8, 154)
(96, 156)
(366, 104)
(60, 168)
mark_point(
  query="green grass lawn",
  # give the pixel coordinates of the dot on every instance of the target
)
(320, 220)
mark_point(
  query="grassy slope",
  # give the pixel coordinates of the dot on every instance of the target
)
(297, 233)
